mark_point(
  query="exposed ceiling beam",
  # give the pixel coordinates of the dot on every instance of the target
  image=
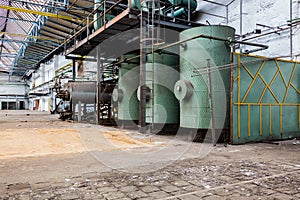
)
(40, 13)
(31, 36)
(16, 19)
(4, 40)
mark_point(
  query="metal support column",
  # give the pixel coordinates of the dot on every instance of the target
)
(73, 69)
(99, 66)
(291, 29)
(212, 119)
(143, 87)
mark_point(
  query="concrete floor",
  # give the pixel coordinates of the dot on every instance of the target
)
(44, 158)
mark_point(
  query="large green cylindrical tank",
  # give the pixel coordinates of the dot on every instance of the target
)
(166, 106)
(193, 87)
(125, 94)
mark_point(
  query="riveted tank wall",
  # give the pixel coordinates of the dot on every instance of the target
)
(193, 89)
(125, 94)
(166, 106)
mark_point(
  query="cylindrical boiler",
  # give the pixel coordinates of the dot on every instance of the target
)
(199, 62)
(125, 94)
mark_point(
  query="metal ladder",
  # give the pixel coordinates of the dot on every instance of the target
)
(149, 37)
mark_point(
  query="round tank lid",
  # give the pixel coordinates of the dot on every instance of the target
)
(183, 89)
(117, 95)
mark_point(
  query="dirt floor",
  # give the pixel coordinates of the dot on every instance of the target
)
(44, 158)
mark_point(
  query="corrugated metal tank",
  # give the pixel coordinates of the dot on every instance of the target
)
(193, 89)
(166, 109)
(125, 94)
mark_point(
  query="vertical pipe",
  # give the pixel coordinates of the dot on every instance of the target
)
(231, 97)
(249, 120)
(227, 15)
(291, 29)
(280, 118)
(260, 120)
(239, 96)
(270, 119)
(299, 116)
(73, 69)
(143, 90)
(98, 85)
(189, 10)
(79, 111)
(152, 75)
(212, 121)
(87, 27)
(241, 21)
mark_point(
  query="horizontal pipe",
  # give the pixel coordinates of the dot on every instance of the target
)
(213, 38)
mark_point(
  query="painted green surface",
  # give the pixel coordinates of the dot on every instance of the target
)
(290, 118)
(136, 4)
(195, 110)
(184, 3)
(99, 22)
(166, 109)
(128, 107)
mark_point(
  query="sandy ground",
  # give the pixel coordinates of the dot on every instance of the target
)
(44, 158)
(30, 134)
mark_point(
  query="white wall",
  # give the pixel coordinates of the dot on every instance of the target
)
(272, 13)
(12, 89)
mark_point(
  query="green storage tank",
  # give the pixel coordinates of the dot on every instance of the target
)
(193, 89)
(166, 106)
(125, 94)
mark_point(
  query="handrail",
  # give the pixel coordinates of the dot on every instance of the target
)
(75, 33)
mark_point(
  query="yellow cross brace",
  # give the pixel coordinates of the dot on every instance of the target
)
(39, 13)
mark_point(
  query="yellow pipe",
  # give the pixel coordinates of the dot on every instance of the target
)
(260, 120)
(280, 118)
(39, 13)
(265, 89)
(266, 58)
(295, 88)
(254, 79)
(248, 71)
(290, 81)
(236, 78)
(262, 78)
(281, 74)
(267, 104)
(299, 116)
(249, 120)
(270, 119)
(239, 96)
(69, 64)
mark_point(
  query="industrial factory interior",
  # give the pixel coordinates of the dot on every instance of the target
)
(149, 99)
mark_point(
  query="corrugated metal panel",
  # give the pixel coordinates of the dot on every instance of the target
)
(266, 100)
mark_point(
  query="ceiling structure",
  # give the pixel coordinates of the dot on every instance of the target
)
(32, 31)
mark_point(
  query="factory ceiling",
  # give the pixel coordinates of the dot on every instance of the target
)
(32, 31)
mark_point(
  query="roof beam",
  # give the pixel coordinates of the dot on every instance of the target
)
(65, 17)
(16, 19)
(54, 31)
(6, 40)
